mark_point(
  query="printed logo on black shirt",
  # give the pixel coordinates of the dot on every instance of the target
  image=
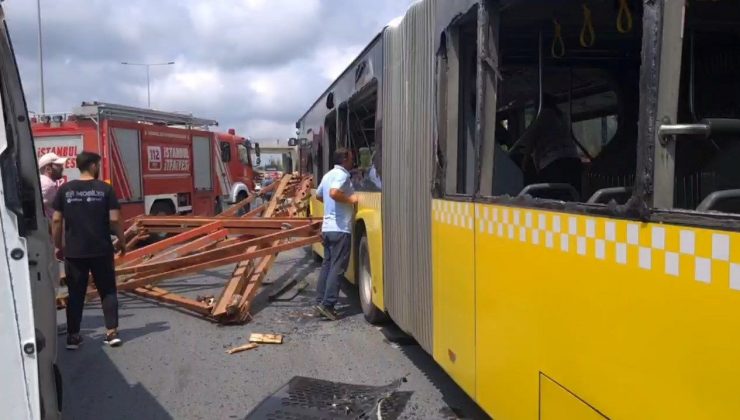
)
(85, 208)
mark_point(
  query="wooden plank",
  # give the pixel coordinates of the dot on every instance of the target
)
(278, 196)
(266, 338)
(238, 279)
(151, 278)
(131, 243)
(256, 278)
(165, 296)
(239, 248)
(168, 242)
(253, 285)
(231, 222)
(198, 244)
(256, 211)
(232, 231)
(234, 209)
(240, 349)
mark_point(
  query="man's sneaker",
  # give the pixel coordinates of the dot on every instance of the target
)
(328, 313)
(112, 339)
(74, 341)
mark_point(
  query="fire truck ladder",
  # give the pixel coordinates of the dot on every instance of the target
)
(102, 110)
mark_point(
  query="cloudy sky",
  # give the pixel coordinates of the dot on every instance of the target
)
(255, 65)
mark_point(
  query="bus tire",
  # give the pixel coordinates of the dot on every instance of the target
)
(371, 312)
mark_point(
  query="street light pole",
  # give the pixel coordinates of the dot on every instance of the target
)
(148, 80)
(148, 89)
(41, 58)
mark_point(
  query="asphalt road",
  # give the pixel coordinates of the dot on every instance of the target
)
(173, 365)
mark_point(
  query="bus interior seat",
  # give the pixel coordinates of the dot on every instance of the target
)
(508, 177)
(603, 196)
(726, 201)
(551, 191)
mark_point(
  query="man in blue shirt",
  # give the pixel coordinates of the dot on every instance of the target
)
(335, 191)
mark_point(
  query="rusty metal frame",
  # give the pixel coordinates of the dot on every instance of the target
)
(252, 241)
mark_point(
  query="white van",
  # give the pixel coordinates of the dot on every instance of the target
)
(30, 381)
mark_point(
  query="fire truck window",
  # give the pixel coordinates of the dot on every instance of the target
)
(225, 151)
(243, 155)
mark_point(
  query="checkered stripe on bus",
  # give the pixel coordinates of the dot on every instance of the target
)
(704, 255)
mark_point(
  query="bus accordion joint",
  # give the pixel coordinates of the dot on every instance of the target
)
(588, 35)
(624, 17)
(557, 49)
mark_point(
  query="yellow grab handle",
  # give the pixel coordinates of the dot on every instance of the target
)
(557, 49)
(624, 17)
(588, 35)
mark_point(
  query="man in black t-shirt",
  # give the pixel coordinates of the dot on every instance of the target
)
(86, 211)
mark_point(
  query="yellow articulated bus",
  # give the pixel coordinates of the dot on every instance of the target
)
(551, 199)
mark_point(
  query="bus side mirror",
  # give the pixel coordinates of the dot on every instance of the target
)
(292, 142)
(257, 149)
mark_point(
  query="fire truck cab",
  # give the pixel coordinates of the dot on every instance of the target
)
(158, 162)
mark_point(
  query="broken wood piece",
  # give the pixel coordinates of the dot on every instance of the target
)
(240, 349)
(165, 296)
(234, 209)
(266, 338)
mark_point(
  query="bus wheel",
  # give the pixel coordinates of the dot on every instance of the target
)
(372, 314)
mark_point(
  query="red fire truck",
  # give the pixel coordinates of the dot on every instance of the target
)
(158, 162)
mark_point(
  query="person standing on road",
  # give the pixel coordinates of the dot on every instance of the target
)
(51, 168)
(335, 191)
(87, 211)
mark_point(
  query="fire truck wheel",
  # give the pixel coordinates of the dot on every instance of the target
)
(161, 208)
(364, 277)
(241, 197)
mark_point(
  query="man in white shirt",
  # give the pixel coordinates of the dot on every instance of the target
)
(51, 167)
(339, 198)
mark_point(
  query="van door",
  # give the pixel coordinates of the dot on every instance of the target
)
(31, 385)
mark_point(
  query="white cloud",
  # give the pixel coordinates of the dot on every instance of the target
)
(334, 60)
(255, 65)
